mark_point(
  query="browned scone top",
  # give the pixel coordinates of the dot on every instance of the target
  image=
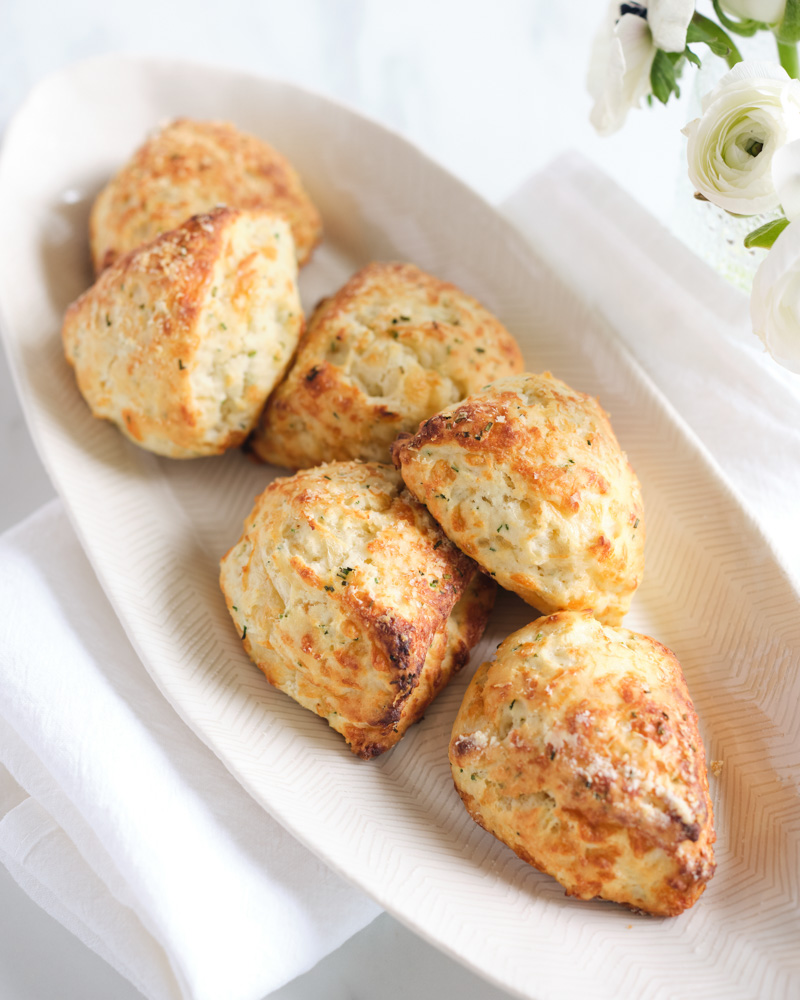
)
(527, 477)
(390, 348)
(190, 167)
(578, 747)
(351, 600)
(180, 342)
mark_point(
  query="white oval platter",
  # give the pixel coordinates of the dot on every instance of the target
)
(155, 530)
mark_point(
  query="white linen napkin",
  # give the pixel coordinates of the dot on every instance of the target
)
(688, 329)
(119, 822)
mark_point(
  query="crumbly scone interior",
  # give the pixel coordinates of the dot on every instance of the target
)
(180, 342)
(250, 324)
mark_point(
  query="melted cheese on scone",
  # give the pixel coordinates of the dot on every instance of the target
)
(527, 477)
(350, 599)
(390, 348)
(578, 747)
(180, 342)
(188, 168)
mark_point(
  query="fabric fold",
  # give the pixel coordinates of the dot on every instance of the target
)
(147, 848)
(47, 865)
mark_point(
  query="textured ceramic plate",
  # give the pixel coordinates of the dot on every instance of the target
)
(155, 530)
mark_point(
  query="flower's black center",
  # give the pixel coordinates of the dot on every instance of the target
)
(754, 147)
(638, 9)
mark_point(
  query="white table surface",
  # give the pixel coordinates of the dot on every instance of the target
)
(493, 92)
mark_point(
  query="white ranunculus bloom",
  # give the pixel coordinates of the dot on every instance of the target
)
(619, 70)
(750, 114)
(775, 299)
(669, 21)
(768, 11)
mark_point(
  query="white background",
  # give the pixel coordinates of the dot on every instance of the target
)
(493, 91)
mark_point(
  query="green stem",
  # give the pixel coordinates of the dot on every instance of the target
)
(746, 27)
(787, 55)
(703, 29)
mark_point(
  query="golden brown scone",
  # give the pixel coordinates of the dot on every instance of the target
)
(189, 168)
(180, 342)
(350, 599)
(526, 476)
(391, 347)
(578, 747)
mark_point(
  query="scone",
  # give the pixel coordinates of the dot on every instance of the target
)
(578, 747)
(527, 477)
(189, 168)
(180, 342)
(350, 599)
(391, 347)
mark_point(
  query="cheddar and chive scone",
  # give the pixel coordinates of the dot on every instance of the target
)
(191, 167)
(578, 747)
(390, 348)
(180, 342)
(350, 599)
(527, 477)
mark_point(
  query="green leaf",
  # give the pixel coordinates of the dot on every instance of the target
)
(765, 235)
(746, 27)
(663, 78)
(703, 29)
(693, 58)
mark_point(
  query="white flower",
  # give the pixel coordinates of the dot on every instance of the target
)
(775, 299)
(669, 21)
(619, 70)
(623, 53)
(753, 111)
(766, 11)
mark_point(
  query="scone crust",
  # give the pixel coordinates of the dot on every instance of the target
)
(527, 477)
(180, 342)
(391, 347)
(189, 168)
(351, 600)
(578, 747)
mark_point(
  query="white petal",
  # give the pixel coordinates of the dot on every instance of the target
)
(768, 11)
(669, 20)
(619, 70)
(786, 178)
(743, 73)
(775, 299)
(638, 53)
